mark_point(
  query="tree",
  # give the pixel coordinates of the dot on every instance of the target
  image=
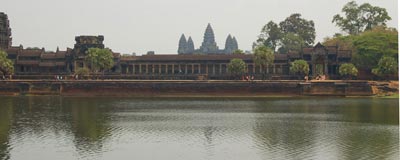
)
(360, 18)
(386, 66)
(270, 35)
(348, 70)
(264, 57)
(82, 71)
(99, 59)
(237, 67)
(299, 67)
(6, 65)
(291, 42)
(291, 34)
(238, 51)
(373, 44)
(301, 27)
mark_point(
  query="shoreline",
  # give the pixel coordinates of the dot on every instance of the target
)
(187, 88)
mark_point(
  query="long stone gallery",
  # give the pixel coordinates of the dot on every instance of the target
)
(207, 62)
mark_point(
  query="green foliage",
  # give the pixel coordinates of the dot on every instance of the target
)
(373, 44)
(292, 34)
(299, 67)
(386, 66)
(347, 70)
(238, 51)
(263, 56)
(270, 35)
(82, 71)
(360, 18)
(237, 66)
(301, 27)
(6, 65)
(100, 59)
(291, 42)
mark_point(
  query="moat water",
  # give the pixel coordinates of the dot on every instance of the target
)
(40, 127)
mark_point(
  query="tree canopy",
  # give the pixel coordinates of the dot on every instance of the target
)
(371, 45)
(263, 56)
(386, 66)
(290, 35)
(238, 51)
(99, 59)
(299, 67)
(360, 18)
(236, 66)
(368, 47)
(347, 70)
(6, 65)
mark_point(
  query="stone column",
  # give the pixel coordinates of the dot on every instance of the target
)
(147, 68)
(140, 68)
(274, 69)
(226, 68)
(313, 69)
(186, 69)
(166, 68)
(220, 68)
(199, 68)
(192, 68)
(179, 68)
(173, 68)
(213, 69)
(207, 69)
(326, 69)
(127, 69)
(152, 69)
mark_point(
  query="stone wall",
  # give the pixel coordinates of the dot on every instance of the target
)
(185, 88)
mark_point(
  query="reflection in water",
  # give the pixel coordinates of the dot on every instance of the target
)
(5, 127)
(89, 124)
(274, 128)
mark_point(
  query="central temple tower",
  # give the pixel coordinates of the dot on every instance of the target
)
(209, 45)
(5, 31)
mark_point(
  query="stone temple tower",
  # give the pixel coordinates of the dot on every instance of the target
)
(209, 45)
(5, 31)
(182, 45)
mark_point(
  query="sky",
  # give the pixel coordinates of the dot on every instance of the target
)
(156, 25)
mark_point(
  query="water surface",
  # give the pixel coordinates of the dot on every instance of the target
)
(40, 127)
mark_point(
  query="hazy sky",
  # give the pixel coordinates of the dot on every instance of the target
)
(143, 25)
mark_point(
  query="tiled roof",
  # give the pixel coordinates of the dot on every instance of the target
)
(189, 57)
(30, 53)
(28, 62)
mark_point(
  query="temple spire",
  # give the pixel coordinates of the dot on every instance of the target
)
(182, 45)
(229, 45)
(209, 45)
(190, 46)
(235, 44)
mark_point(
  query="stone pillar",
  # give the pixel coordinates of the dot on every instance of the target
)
(213, 69)
(140, 68)
(179, 68)
(133, 69)
(199, 68)
(207, 69)
(173, 68)
(220, 68)
(267, 69)
(192, 69)
(186, 68)
(274, 69)
(127, 69)
(261, 69)
(152, 69)
(313, 69)
(326, 68)
(166, 68)
(159, 68)
(147, 68)
(226, 68)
